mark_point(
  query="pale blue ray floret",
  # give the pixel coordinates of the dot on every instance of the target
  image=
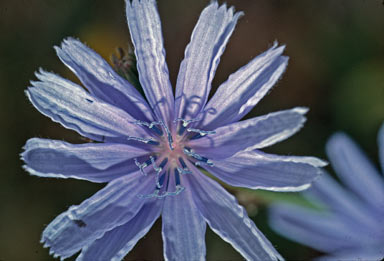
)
(350, 225)
(151, 150)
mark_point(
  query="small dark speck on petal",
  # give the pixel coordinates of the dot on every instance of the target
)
(88, 100)
(79, 223)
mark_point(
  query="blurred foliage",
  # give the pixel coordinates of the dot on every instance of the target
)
(336, 51)
(362, 91)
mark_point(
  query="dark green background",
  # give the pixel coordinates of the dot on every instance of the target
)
(336, 69)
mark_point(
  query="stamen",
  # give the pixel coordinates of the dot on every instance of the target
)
(170, 139)
(151, 125)
(185, 169)
(202, 133)
(201, 160)
(184, 124)
(145, 140)
(208, 162)
(158, 170)
(157, 194)
(143, 165)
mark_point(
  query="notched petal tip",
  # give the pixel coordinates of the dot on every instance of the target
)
(24, 154)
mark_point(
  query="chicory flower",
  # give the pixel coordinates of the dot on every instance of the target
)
(151, 150)
(352, 226)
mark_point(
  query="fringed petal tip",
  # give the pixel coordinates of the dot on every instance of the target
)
(39, 73)
(67, 42)
(231, 9)
(51, 251)
(47, 76)
(45, 244)
(23, 153)
(29, 170)
(276, 45)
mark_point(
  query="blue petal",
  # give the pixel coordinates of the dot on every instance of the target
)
(255, 133)
(113, 206)
(244, 89)
(97, 162)
(381, 147)
(312, 228)
(202, 57)
(101, 80)
(117, 243)
(258, 170)
(356, 170)
(145, 28)
(70, 105)
(373, 254)
(183, 228)
(344, 205)
(228, 219)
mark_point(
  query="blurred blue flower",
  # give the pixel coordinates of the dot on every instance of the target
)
(352, 228)
(151, 150)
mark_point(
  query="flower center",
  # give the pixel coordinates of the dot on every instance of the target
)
(170, 154)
